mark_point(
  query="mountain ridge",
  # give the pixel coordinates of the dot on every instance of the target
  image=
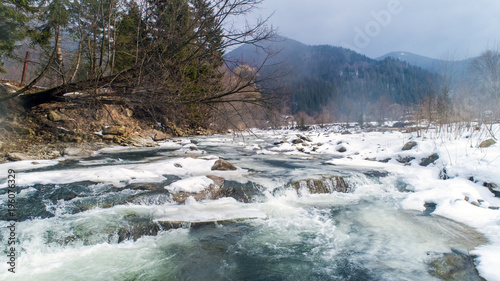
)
(459, 68)
(326, 79)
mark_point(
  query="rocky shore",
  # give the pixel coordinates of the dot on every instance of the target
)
(66, 128)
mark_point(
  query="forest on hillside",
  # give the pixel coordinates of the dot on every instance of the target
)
(331, 84)
(163, 59)
(328, 83)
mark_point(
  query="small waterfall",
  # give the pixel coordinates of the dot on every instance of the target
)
(321, 186)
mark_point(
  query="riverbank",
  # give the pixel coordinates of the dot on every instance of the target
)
(47, 131)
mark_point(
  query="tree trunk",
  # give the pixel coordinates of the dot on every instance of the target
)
(59, 54)
(58, 92)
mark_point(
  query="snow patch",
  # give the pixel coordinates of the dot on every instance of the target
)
(192, 185)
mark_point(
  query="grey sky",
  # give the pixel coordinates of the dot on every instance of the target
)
(434, 28)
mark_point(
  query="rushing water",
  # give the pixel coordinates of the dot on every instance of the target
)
(88, 230)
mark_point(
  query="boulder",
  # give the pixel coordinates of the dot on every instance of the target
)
(142, 142)
(214, 191)
(495, 189)
(405, 160)
(76, 152)
(159, 136)
(342, 149)
(304, 138)
(108, 137)
(346, 133)
(113, 130)
(454, 266)
(429, 160)
(17, 156)
(243, 192)
(54, 116)
(386, 160)
(409, 145)
(223, 165)
(487, 143)
(429, 208)
(55, 154)
(297, 141)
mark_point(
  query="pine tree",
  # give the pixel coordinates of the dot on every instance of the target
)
(14, 14)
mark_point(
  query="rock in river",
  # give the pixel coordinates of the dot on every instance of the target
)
(455, 266)
(213, 191)
(223, 165)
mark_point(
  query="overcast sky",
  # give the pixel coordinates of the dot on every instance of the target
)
(435, 28)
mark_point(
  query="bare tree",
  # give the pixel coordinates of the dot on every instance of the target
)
(486, 68)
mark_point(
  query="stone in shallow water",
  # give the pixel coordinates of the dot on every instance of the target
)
(429, 207)
(457, 266)
(214, 191)
(242, 192)
(376, 174)
(223, 165)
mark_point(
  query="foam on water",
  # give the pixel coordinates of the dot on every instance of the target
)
(334, 236)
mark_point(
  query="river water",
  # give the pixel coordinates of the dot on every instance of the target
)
(89, 219)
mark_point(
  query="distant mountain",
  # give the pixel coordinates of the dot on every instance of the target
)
(459, 68)
(335, 79)
(426, 63)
